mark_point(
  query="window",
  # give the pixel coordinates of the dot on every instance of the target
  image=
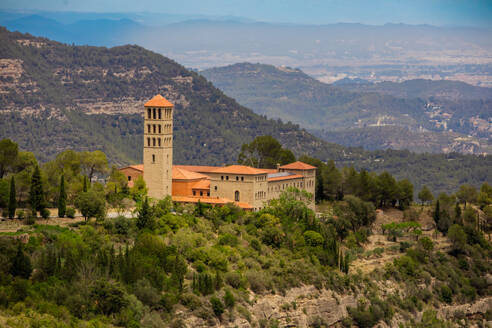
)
(153, 128)
(194, 193)
(208, 193)
(159, 113)
(237, 178)
(153, 142)
(148, 142)
(148, 128)
(215, 188)
(149, 115)
(242, 178)
(129, 178)
(153, 113)
(153, 158)
(227, 177)
(159, 142)
(160, 128)
(236, 196)
(222, 177)
(201, 193)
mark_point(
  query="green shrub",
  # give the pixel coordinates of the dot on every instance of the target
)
(21, 215)
(217, 306)
(122, 225)
(313, 238)
(70, 213)
(234, 279)
(229, 300)
(255, 244)
(446, 294)
(191, 301)
(45, 213)
(228, 239)
(167, 302)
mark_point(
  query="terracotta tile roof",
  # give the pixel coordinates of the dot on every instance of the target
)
(287, 177)
(209, 200)
(138, 167)
(239, 169)
(182, 174)
(298, 166)
(270, 170)
(197, 168)
(203, 184)
(158, 101)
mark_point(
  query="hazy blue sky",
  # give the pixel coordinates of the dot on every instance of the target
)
(435, 12)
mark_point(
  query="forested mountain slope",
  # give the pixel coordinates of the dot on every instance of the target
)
(454, 116)
(55, 97)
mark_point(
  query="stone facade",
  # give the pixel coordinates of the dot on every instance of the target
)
(158, 147)
(248, 187)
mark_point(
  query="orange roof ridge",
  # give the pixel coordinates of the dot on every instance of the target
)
(239, 169)
(182, 174)
(298, 166)
(158, 101)
(286, 177)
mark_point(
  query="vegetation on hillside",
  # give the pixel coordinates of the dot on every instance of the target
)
(44, 113)
(170, 262)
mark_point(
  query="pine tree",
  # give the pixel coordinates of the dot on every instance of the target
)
(36, 194)
(62, 198)
(12, 199)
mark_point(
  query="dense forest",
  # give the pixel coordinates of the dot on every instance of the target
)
(89, 98)
(176, 265)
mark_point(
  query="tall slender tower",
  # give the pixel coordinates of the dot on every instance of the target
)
(158, 147)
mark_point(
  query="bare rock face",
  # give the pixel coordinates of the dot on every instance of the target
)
(469, 310)
(299, 307)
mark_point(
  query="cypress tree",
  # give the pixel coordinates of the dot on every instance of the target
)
(437, 213)
(21, 264)
(84, 188)
(36, 194)
(62, 198)
(12, 199)
(457, 212)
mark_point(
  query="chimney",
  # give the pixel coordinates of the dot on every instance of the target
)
(278, 166)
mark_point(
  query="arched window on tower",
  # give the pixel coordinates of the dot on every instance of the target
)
(159, 142)
(149, 113)
(153, 158)
(159, 113)
(160, 128)
(153, 113)
(148, 142)
(236, 196)
(148, 128)
(153, 128)
(153, 142)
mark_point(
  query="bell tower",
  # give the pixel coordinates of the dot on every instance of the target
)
(158, 147)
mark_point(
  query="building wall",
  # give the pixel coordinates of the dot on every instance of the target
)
(158, 151)
(275, 188)
(131, 174)
(252, 188)
(309, 182)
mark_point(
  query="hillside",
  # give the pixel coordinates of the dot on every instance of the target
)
(440, 109)
(55, 97)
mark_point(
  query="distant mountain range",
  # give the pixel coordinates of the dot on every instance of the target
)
(55, 97)
(391, 52)
(419, 115)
